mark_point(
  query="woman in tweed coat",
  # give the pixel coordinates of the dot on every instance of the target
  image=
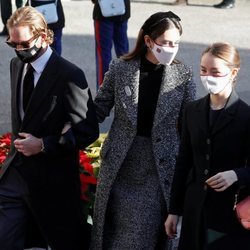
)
(148, 92)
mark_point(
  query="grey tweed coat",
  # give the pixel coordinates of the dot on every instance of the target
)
(120, 90)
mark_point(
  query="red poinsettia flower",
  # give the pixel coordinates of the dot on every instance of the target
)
(87, 175)
(83, 158)
(5, 141)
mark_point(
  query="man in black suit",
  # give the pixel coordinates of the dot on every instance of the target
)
(52, 119)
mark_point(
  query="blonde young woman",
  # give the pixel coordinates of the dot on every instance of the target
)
(214, 159)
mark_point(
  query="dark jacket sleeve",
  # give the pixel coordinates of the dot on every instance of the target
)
(182, 171)
(81, 115)
(243, 173)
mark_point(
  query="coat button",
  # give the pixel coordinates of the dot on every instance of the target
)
(207, 157)
(208, 141)
(205, 187)
(206, 171)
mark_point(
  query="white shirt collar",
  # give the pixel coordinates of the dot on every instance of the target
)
(40, 63)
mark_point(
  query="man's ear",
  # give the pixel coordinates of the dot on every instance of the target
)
(43, 39)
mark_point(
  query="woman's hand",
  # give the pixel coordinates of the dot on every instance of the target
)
(222, 180)
(66, 127)
(171, 225)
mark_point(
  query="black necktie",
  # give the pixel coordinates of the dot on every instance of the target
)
(28, 86)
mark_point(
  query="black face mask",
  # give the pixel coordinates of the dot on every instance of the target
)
(29, 55)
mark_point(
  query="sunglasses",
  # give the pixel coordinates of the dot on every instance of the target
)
(24, 45)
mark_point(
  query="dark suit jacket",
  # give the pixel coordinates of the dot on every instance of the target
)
(61, 95)
(203, 153)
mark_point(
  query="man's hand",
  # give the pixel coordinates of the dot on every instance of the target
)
(222, 181)
(28, 144)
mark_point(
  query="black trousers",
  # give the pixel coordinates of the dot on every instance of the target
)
(236, 241)
(228, 1)
(6, 9)
(13, 211)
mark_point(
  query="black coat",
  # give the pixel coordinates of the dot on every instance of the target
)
(61, 19)
(61, 95)
(203, 153)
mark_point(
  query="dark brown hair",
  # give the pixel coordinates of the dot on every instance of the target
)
(154, 27)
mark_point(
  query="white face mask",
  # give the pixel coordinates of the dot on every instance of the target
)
(164, 54)
(215, 85)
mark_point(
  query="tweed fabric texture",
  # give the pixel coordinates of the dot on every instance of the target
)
(120, 91)
(136, 209)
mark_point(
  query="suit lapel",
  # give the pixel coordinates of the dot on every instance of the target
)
(167, 92)
(202, 114)
(44, 84)
(227, 114)
(16, 76)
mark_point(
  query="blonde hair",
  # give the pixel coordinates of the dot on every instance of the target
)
(29, 16)
(226, 52)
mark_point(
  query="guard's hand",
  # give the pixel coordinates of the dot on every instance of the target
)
(171, 225)
(28, 144)
(222, 180)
